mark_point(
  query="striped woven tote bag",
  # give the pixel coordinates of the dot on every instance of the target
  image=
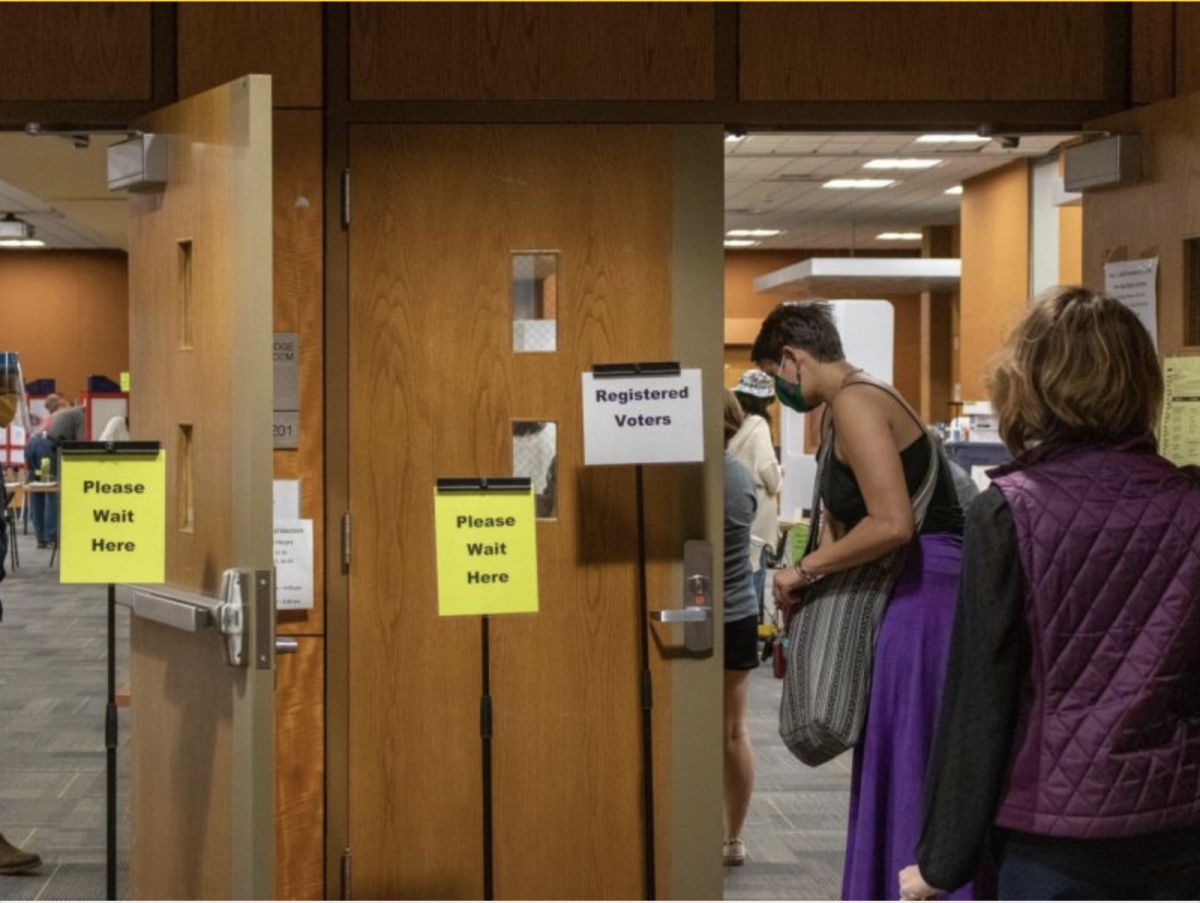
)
(831, 637)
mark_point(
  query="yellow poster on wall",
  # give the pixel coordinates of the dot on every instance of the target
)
(486, 552)
(113, 527)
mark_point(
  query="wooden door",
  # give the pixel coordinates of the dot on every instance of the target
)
(200, 353)
(434, 390)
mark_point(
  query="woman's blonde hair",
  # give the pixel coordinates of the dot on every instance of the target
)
(734, 415)
(1080, 368)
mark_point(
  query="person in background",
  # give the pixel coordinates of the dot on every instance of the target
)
(41, 466)
(741, 639)
(116, 430)
(882, 454)
(67, 424)
(753, 449)
(1069, 735)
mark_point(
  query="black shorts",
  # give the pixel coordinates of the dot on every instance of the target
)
(741, 644)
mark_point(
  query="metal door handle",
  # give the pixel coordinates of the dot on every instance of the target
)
(692, 614)
(286, 645)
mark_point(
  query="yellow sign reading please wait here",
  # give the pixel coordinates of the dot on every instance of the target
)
(113, 527)
(486, 552)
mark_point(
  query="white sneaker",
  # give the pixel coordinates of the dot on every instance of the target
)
(735, 852)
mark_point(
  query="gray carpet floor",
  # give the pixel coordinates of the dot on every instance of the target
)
(52, 759)
(795, 833)
(53, 687)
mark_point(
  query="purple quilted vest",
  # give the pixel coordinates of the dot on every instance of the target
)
(1108, 736)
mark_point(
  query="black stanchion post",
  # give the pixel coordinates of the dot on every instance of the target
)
(485, 729)
(647, 696)
(110, 742)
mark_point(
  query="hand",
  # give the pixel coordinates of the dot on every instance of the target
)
(785, 587)
(913, 886)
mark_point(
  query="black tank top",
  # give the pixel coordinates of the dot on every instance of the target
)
(843, 497)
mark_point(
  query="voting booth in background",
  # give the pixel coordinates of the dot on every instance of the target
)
(867, 328)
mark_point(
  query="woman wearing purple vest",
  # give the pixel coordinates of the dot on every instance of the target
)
(1068, 742)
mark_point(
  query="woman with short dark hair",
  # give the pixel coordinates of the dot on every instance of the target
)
(1069, 733)
(882, 458)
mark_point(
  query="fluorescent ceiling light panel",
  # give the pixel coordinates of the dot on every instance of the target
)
(22, 243)
(962, 138)
(901, 163)
(957, 189)
(859, 183)
(13, 229)
(754, 233)
(739, 243)
(899, 236)
(733, 139)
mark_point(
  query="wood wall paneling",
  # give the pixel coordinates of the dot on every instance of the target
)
(299, 308)
(911, 52)
(1187, 40)
(219, 42)
(298, 218)
(1070, 244)
(995, 262)
(67, 313)
(532, 51)
(300, 772)
(1152, 51)
(1154, 216)
(75, 51)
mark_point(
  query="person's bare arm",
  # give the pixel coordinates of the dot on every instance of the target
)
(865, 440)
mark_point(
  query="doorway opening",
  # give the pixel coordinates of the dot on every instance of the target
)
(929, 245)
(64, 303)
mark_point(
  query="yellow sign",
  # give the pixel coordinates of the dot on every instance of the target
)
(124, 380)
(113, 527)
(486, 552)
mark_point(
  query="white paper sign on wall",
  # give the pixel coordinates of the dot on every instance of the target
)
(653, 419)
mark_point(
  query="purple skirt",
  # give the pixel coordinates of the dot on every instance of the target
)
(889, 762)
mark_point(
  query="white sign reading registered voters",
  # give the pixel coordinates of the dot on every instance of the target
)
(643, 419)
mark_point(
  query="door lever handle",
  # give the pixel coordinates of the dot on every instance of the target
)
(692, 614)
(286, 645)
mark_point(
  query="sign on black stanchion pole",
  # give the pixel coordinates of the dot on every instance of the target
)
(112, 530)
(486, 565)
(643, 413)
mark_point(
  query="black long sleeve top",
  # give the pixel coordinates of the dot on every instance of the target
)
(989, 654)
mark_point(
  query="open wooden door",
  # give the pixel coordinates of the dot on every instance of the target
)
(613, 236)
(200, 358)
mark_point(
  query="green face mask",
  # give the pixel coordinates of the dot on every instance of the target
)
(789, 394)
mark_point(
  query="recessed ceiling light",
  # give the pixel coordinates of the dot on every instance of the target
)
(961, 138)
(957, 189)
(899, 236)
(754, 233)
(732, 138)
(859, 183)
(739, 243)
(22, 243)
(901, 163)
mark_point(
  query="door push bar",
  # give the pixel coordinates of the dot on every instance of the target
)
(696, 614)
(192, 612)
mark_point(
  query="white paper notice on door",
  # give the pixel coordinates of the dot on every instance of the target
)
(654, 419)
(1135, 284)
(293, 564)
